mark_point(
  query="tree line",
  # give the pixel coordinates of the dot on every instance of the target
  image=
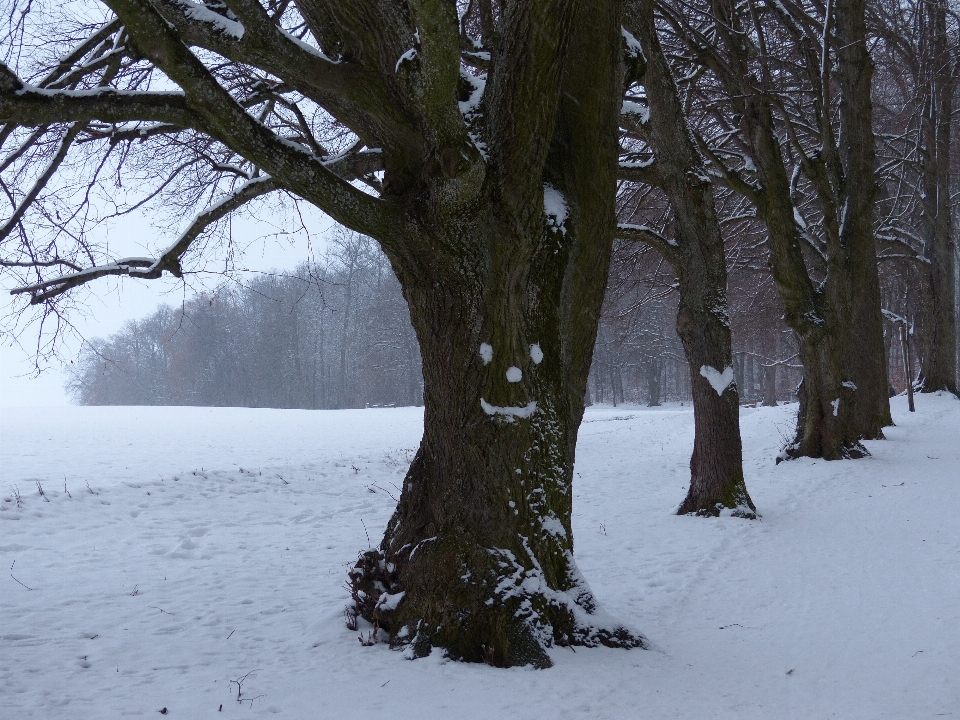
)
(788, 159)
(334, 333)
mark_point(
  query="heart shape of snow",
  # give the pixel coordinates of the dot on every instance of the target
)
(719, 381)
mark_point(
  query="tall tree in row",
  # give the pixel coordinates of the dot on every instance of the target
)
(774, 78)
(697, 256)
(941, 58)
(496, 134)
(919, 73)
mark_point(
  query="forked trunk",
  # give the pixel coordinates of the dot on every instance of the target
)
(826, 423)
(478, 557)
(843, 395)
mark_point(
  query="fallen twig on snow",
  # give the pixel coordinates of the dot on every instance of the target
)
(11, 575)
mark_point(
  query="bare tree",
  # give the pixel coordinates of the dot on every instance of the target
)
(918, 52)
(770, 102)
(697, 255)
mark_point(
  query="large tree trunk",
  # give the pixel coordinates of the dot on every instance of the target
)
(865, 362)
(716, 465)
(481, 542)
(478, 557)
(939, 370)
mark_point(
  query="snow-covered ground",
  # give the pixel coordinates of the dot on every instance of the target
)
(211, 545)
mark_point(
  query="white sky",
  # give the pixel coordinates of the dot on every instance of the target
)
(112, 302)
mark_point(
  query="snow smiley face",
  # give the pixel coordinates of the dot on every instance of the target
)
(514, 375)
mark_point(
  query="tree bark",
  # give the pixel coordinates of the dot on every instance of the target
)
(653, 382)
(865, 363)
(770, 386)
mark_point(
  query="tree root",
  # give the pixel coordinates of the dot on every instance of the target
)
(479, 605)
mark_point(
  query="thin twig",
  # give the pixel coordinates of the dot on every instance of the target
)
(386, 491)
(11, 575)
(365, 532)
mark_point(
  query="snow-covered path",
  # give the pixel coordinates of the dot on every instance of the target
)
(212, 544)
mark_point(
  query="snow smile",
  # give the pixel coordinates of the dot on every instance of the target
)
(510, 412)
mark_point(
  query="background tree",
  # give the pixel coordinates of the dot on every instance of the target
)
(276, 341)
(773, 81)
(917, 76)
(697, 255)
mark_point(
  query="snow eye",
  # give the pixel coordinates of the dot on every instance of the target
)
(486, 352)
(536, 354)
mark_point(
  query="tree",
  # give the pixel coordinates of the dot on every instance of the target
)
(919, 73)
(697, 255)
(495, 130)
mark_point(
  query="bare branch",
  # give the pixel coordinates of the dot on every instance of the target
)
(148, 268)
(643, 233)
(31, 106)
(294, 167)
(41, 181)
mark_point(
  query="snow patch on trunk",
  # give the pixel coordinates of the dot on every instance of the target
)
(408, 56)
(509, 412)
(486, 352)
(719, 381)
(555, 207)
(470, 105)
(536, 354)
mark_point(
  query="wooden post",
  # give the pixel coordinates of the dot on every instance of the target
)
(907, 363)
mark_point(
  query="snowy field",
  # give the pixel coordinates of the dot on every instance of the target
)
(179, 550)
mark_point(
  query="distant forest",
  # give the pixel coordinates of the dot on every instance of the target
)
(330, 334)
(336, 333)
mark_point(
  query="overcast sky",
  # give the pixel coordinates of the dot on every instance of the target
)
(113, 302)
